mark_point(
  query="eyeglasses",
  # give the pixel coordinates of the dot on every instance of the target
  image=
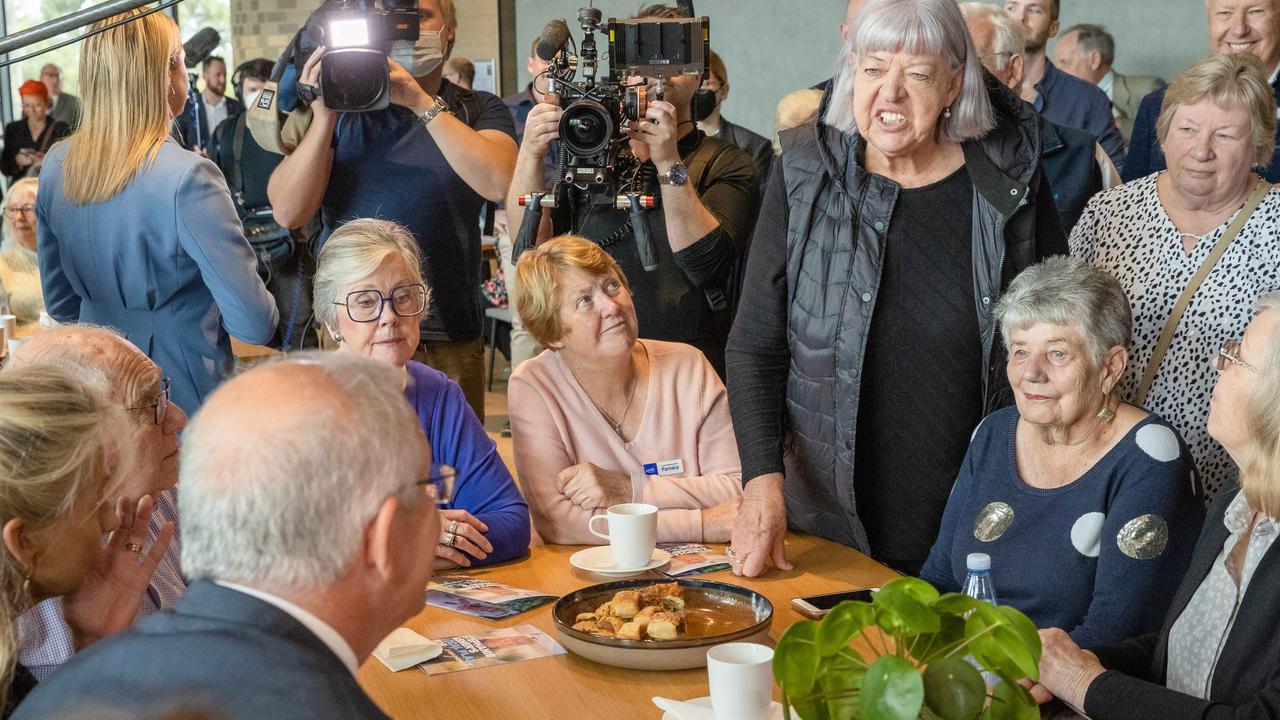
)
(366, 305)
(160, 406)
(1230, 353)
(993, 56)
(442, 478)
(15, 210)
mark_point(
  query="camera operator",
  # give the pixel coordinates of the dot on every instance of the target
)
(427, 162)
(708, 206)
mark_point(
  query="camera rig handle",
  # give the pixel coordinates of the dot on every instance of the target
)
(640, 226)
(528, 232)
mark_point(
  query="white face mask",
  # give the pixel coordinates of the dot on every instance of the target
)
(419, 58)
(251, 98)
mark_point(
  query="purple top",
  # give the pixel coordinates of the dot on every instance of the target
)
(484, 486)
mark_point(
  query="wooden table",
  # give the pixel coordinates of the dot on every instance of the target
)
(567, 686)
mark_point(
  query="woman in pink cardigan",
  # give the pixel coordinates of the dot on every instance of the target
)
(602, 417)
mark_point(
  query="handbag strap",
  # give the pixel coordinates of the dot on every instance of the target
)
(1180, 307)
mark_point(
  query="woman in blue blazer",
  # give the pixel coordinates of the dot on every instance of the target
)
(135, 232)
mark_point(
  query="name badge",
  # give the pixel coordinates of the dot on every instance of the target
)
(665, 467)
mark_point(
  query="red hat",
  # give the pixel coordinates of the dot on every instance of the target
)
(34, 88)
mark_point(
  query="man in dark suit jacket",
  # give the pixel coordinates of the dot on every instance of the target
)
(264, 515)
(1088, 51)
(201, 118)
(713, 124)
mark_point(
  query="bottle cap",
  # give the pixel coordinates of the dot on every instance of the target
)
(978, 561)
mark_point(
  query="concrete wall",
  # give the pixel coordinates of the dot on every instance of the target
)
(772, 47)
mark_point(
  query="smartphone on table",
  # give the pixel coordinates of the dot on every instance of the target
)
(816, 606)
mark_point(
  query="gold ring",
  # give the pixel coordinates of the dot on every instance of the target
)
(133, 547)
(453, 527)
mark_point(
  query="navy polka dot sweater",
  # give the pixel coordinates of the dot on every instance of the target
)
(1099, 557)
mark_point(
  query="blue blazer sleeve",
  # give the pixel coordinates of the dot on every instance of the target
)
(60, 300)
(1130, 595)
(1144, 156)
(209, 231)
(484, 487)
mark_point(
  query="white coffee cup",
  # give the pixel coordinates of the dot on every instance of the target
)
(741, 679)
(633, 533)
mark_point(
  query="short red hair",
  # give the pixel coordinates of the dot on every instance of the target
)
(34, 88)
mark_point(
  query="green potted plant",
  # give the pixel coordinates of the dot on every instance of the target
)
(922, 662)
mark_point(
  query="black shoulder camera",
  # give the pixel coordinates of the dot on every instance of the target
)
(596, 111)
(358, 34)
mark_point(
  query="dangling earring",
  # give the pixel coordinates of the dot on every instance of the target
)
(946, 112)
(1107, 413)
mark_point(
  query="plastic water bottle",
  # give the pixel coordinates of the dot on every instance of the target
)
(978, 585)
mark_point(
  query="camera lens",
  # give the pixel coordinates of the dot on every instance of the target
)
(586, 128)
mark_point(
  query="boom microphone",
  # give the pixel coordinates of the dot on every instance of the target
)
(554, 35)
(201, 45)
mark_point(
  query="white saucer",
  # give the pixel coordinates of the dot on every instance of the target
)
(775, 711)
(599, 560)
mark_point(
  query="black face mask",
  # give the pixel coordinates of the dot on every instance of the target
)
(704, 103)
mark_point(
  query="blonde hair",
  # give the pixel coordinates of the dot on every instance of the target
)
(53, 432)
(1260, 466)
(27, 182)
(537, 293)
(353, 252)
(124, 86)
(1235, 80)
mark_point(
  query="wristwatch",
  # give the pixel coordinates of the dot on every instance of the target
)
(430, 113)
(677, 174)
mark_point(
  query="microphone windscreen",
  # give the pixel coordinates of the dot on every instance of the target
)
(554, 35)
(201, 45)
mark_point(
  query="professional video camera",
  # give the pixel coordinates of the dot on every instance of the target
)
(596, 111)
(359, 35)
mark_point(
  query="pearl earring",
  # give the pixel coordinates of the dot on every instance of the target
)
(946, 113)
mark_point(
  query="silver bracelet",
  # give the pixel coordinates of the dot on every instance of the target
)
(430, 113)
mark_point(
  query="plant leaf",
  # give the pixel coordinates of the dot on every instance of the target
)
(997, 645)
(955, 604)
(891, 690)
(930, 647)
(840, 625)
(954, 689)
(1011, 702)
(842, 677)
(795, 661)
(902, 607)
(1026, 630)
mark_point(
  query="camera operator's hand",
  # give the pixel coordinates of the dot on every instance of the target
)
(540, 128)
(311, 76)
(654, 138)
(406, 91)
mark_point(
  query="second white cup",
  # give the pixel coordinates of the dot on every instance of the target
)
(741, 679)
(633, 533)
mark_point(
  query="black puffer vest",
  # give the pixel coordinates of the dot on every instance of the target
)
(838, 217)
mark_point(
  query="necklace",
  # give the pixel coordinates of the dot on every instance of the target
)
(631, 396)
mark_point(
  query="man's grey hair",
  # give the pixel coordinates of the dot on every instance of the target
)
(288, 510)
(1063, 290)
(1007, 39)
(352, 253)
(919, 27)
(1094, 38)
(98, 356)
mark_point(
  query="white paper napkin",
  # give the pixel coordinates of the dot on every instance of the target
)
(404, 648)
(684, 709)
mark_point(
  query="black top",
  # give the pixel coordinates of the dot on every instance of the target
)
(256, 164)
(924, 336)
(21, 686)
(671, 302)
(17, 136)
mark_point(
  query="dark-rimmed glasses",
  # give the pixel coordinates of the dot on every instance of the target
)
(160, 406)
(443, 478)
(367, 305)
(1230, 353)
(15, 210)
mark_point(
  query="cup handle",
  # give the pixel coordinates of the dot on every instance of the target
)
(591, 525)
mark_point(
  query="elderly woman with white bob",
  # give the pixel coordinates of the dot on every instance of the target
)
(1086, 505)
(1217, 654)
(602, 417)
(369, 294)
(888, 231)
(1209, 212)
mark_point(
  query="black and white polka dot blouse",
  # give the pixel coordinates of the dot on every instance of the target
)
(1126, 232)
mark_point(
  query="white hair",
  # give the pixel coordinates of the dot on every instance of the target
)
(26, 183)
(1063, 290)
(289, 509)
(919, 27)
(352, 253)
(1007, 39)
